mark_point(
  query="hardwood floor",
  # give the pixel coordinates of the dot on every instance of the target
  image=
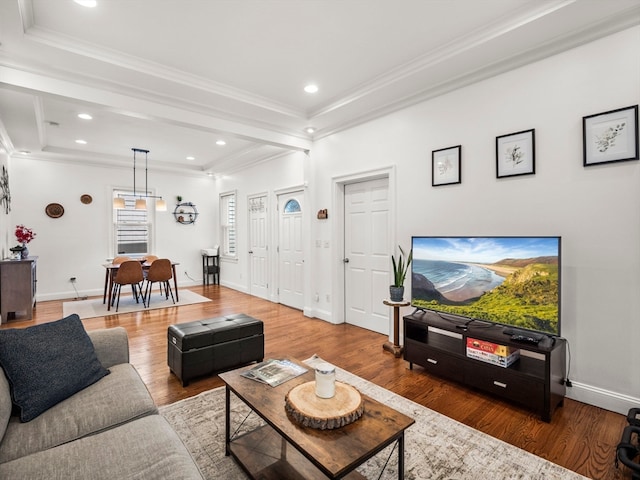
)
(580, 437)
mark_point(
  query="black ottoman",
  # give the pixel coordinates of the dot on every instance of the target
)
(206, 346)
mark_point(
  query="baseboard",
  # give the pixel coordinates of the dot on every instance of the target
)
(70, 295)
(599, 397)
(317, 313)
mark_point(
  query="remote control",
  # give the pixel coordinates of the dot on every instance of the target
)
(525, 339)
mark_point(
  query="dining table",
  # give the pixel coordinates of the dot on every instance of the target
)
(112, 268)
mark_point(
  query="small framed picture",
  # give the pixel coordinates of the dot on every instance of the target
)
(610, 136)
(445, 166)
(516, 154)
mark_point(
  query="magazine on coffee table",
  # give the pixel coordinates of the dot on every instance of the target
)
(274, 372)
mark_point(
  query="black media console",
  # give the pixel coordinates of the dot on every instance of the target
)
(535, 380)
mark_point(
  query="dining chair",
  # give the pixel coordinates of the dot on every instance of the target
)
(119, 260)
(150, 259)
(160, 271)
(129, 273)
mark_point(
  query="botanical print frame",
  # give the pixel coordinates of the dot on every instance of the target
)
(445, 166)
(5, 199)
(516, 154)
(610, 136)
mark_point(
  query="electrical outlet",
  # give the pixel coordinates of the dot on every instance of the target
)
(72, 279)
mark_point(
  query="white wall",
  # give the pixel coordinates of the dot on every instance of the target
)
(79, 242)
(594, 209)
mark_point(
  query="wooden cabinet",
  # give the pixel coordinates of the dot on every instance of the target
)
(17, 288)
(536, 380)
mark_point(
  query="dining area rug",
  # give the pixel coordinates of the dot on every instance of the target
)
(436, 447)
(95, 308)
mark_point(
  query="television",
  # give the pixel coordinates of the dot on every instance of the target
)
(512, 281)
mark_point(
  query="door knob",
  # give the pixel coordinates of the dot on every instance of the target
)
(345, 260)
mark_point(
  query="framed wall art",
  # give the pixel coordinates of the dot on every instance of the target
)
(610, 136)
(516, 154)
(445, 166)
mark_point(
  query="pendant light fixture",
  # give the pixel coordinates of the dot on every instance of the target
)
(141, 200)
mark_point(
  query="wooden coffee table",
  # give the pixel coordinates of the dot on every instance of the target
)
(284, 449)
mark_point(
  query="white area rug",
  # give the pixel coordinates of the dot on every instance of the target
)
(95, 307)
(436, 447)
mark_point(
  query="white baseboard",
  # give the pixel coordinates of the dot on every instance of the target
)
(317, 313)
(599, 397)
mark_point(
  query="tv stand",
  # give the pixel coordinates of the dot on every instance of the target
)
(536, 380)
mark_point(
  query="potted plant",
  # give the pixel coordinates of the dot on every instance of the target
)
(400, 268)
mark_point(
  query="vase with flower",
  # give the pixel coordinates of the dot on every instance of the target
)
(24, 235)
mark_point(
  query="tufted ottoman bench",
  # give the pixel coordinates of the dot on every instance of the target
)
(206, 346)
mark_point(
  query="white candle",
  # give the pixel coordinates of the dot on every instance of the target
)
(325, 380)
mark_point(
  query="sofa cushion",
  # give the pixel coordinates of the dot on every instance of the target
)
(47, 363)
(115, 399)
(5, 403)
(146, 448)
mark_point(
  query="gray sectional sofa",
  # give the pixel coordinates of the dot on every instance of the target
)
(108, 430)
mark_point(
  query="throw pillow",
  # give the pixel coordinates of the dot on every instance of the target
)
(48, 363)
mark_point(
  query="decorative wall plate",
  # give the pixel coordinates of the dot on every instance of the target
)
(54, 210)
(86, 199)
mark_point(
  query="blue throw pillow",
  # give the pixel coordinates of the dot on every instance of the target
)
(47, 363)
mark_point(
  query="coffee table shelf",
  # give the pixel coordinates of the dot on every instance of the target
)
(264, 454)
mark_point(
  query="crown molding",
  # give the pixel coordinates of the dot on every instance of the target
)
(136, 64)
(552, 47)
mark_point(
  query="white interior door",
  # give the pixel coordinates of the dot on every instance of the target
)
(290, 253)
(366, 246)
(258, 247)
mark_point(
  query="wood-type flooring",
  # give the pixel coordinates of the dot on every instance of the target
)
(580, 437)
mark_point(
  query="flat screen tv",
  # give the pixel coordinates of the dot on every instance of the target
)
(512, 281)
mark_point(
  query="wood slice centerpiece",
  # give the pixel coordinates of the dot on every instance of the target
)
(309, 410)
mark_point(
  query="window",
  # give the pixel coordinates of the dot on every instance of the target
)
(292, 206)
(228, 224)
(132, 230)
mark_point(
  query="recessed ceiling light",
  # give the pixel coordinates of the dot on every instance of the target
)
(87, 3)
(221, 142)
(191, 158)
(81, 142)
(85, 116)
(310, 130)
(24, 152)
(311, 88)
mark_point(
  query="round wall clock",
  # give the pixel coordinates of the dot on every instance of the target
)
(54, 210)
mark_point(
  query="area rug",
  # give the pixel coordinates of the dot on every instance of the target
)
(436, 447)
(95, 307)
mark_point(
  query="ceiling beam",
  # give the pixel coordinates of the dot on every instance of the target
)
(145, 109)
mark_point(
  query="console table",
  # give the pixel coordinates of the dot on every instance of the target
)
(17, 287)
(536, 380)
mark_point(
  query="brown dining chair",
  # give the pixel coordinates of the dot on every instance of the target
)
(160, 271)
(129, 273)
(150, 259)
(119, 260)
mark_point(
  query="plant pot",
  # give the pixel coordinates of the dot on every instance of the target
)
(396, 294)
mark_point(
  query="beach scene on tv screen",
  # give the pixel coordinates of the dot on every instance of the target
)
(509, 280)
